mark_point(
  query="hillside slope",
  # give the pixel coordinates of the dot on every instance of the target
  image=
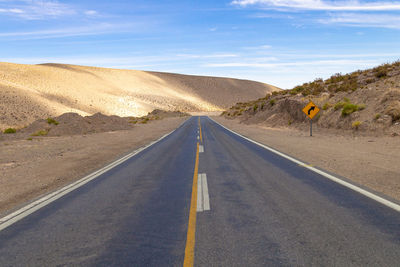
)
(30, 92)
(363, 102)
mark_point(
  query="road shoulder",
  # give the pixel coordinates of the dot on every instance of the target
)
(31, 168)
(369, 161)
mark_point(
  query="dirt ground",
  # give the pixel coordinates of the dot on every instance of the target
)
(373, 162)
(30, 168)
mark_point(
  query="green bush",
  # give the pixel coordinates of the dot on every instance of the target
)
(272, 102)
(40, 133)
(10, 131)
(339, 105)
(52, 121)
(255, 107)
(349, 108)
(377, 116)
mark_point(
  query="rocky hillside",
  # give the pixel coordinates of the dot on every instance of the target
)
(362, 101)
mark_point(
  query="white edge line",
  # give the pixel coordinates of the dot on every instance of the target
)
(36, 205)
(364, 192)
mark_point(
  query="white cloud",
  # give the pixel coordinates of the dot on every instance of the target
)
(207, 56)
(364, 20)
(11, 10)
(36, 9)
(340, 62)
(321, 5)
(97, 29)
(91, 12)
(260, 47)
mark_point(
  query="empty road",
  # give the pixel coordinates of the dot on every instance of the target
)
(204, 196)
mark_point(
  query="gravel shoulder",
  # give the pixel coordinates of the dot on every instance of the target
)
(372, 162)
(30, 168)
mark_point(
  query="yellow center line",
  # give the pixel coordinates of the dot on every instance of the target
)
(190, 239)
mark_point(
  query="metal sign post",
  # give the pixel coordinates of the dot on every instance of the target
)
(311, 110)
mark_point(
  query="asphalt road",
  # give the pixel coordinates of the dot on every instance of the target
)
(257, 209)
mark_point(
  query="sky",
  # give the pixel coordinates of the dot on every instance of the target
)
(280, 42)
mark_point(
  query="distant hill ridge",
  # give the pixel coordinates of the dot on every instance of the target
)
(31, 92)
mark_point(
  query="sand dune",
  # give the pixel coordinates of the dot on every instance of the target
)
(30, 92)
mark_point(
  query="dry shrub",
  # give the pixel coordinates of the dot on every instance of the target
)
(393, 110)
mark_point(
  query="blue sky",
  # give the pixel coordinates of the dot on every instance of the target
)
(281, 42)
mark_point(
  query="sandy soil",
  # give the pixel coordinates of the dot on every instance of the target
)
(31, 92)
(29, 169)
(372, 162)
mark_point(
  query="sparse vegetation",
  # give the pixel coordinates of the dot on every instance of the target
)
(272, 102)
(144, 121)
(355, 125)
(344, 82)
(368, 81)
(40, 133)
(361, 107)
(29, 139)
(326, 106)
(326, 91)
(10, 131)
(381, 74)
(339, 105)
(349, 108)
(394, 111)
(52, 121)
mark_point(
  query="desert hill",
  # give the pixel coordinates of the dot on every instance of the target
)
(364, 102)
(31, 92)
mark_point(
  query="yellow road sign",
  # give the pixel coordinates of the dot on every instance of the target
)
(311, 110)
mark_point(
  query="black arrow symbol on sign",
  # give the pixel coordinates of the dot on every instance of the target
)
(312, 108)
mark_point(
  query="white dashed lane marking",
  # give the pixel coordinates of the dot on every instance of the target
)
(203, 199)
